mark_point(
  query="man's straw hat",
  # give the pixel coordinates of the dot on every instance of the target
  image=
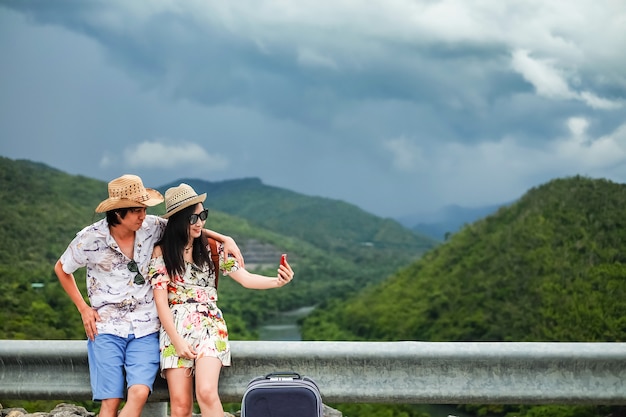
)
(128, 191)
(177, 198)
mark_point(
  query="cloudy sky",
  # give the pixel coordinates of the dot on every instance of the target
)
(396, 106)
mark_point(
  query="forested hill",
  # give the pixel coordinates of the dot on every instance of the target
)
(550, 267)
(42, 209)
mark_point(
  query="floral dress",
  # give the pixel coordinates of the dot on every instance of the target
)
(192, 299)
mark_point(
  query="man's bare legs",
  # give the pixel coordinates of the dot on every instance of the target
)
(137, 397)
(109, 406)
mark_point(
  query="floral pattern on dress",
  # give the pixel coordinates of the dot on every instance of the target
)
(192, 298)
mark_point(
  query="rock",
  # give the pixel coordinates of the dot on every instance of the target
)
(14, 412)
(70, 410)
(331, 412)
(61, 410)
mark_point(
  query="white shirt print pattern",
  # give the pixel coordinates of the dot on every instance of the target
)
(124, 307)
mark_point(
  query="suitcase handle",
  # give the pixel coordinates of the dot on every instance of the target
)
(283, 375)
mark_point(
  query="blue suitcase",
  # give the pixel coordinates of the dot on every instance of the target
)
(282, 394)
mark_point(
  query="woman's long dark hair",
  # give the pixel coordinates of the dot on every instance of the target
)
(175, 239)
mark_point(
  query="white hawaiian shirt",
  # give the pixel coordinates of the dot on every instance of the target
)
(124, 307)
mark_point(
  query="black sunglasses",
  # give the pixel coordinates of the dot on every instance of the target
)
(193, 219)
(132, 267)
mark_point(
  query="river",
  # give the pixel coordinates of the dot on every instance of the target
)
(284, 326)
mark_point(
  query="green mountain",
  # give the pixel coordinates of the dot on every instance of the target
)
(43, 208)
(330, 224)
(549, 267)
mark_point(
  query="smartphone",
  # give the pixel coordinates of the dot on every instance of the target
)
(283, 259)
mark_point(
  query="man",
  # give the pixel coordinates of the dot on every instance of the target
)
(121, 320)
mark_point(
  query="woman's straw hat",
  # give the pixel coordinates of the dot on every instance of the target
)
(128, 191)
(177, 198)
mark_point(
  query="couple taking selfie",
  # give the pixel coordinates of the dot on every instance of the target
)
(152, 290)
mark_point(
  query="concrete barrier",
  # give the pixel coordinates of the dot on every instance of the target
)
(365, 372)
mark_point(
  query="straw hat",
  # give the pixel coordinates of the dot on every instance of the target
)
(128, 191)
(177, 198)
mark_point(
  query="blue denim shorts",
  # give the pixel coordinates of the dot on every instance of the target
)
(116, 363)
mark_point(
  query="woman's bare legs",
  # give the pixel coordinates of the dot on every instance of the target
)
(207, 379)
(180, 385)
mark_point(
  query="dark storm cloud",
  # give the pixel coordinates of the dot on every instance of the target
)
(445, 102)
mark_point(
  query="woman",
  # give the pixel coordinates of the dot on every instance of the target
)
(194, 337)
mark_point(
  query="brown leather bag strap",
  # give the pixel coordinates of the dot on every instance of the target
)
(215, 257)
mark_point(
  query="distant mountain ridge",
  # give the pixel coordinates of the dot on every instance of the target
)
(448, 220)
(314, 219)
